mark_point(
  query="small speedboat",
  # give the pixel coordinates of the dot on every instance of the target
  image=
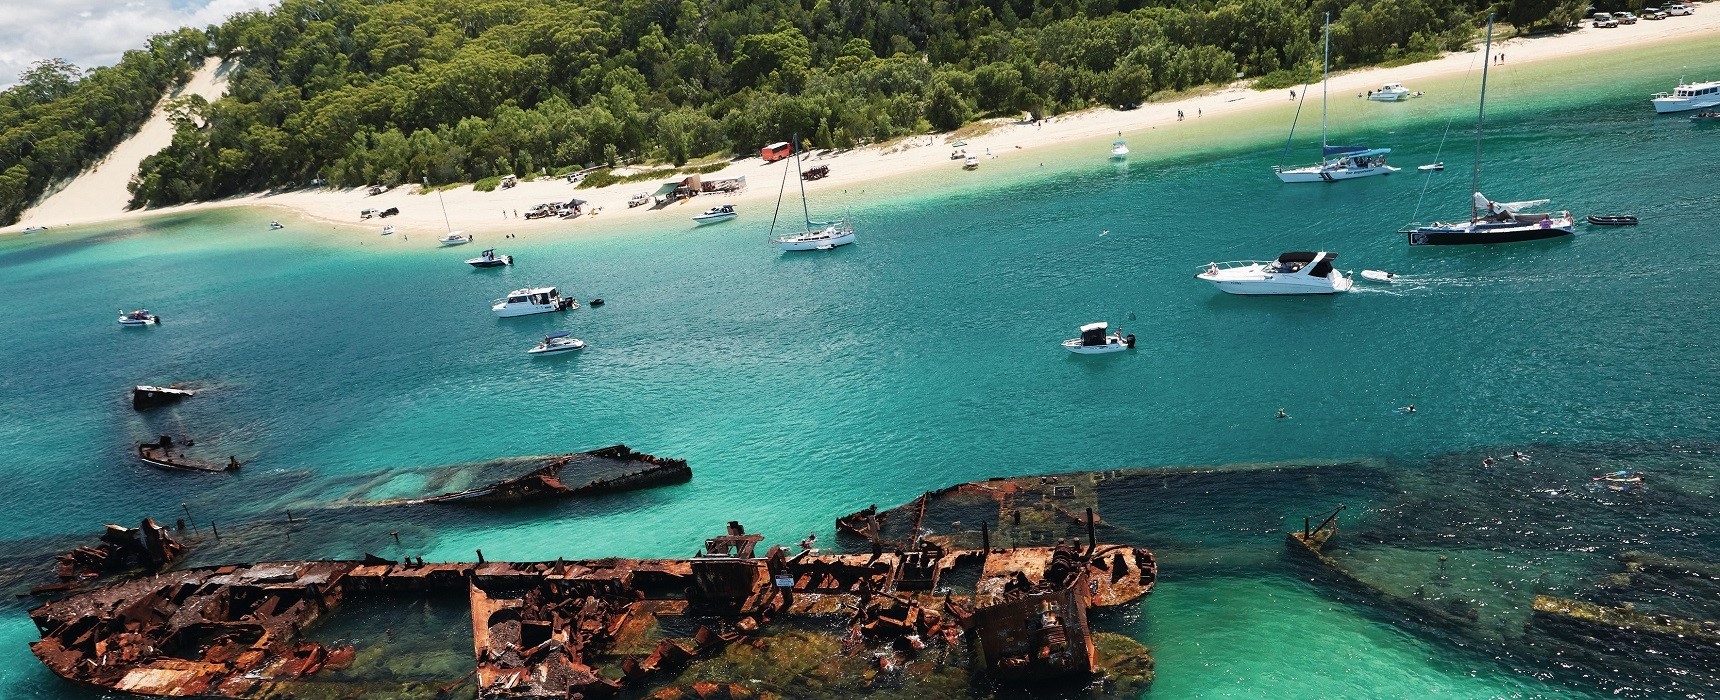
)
(1379, 276)
(970, 163)
(140, 317)
(1095, 340)
(1119, 149)
(716, 215)
(275, 226)
(490, 259)
(1392, 92)
(455, 238)
(1612, 220)
(1431, 166)
(1705, 117)
(596, 303)
(388, 230)
(524, 302)
(556, 342)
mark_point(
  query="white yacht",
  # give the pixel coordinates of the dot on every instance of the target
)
(1688, 97)
(1119, 150)
(140, 317)
(1336, 162)
(455, 238)
(556, 342)
(818, 235)
(1095, 340)
(716, 214)
(835, 234)
(1296, 272)
(1392, 92)
(524, 302)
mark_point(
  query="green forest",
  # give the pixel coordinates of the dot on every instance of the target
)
(372, 92)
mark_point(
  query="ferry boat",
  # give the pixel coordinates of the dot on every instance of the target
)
(539, 300)
(489, 259)
(556, 342)
(1095, 341)
(1119, 150)
(140, 317)
(455, 238)
(1296, 272)
(1688, 97)
(1392, 92)
(1336, 162)
(716, 215)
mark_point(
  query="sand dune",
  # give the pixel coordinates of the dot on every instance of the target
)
(492, 214)
(99, 194)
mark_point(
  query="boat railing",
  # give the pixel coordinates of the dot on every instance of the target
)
(1231, 265)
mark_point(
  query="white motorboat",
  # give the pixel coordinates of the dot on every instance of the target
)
(970, 163)
(489, 259)
(388, 230)
(455, 238)
(1297, 272)
(1379, 276)
(539, 300)
(1119, 150)
(1095, 340)
(556, 342)
(1687, 97)
(275, 226)
(1490, 221)
(716, 214)
(1431, 167)
(1392, 92)
(818, 235)
(1336, 162)
(140, 317)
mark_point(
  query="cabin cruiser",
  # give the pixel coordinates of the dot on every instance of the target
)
(829, 236)
(716, 214)
(1392, 92)
(489, 259)
(1688, 97)
(455, 238)
(556, 342)
(1095, 341)
(1119, 149)
(1494, 222)
(140, 317)
(1297, 272)
(1343, 163)
(524, 302)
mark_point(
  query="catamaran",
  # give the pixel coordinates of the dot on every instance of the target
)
(819, 235)
(1337, 162)
(1490, 221)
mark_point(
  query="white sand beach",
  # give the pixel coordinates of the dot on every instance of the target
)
(100, 196)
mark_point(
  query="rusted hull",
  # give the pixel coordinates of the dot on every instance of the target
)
(646, 471)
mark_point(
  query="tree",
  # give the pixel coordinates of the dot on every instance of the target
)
(945, 109)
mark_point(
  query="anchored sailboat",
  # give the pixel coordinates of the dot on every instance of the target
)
(819, 235)
(1337, 162)
(1490, 221)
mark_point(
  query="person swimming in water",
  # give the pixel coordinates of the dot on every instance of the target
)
(1487, 461)
(1519, 456)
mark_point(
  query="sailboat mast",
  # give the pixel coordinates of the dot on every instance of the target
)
(445, 221)
(801, 180)
(1325, 79)
(1480, 121)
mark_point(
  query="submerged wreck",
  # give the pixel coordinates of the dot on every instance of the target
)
(588, 629)
(164, 453)
(522, 479)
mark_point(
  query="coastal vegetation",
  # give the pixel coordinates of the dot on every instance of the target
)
(358, 92)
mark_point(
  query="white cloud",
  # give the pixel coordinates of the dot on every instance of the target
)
(94, 33)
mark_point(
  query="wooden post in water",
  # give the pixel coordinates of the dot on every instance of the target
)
(1092, 539)
(480, 557)
(215, 530)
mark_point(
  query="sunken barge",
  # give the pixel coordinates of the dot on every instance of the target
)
(591, 629)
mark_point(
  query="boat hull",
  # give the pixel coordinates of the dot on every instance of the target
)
(814, 244)
(497, 262)
(1074, 345)
(1258, 288)
(704, 220)
(1515, 234)
(1671, 105)
(1317, 174)
(556, 349)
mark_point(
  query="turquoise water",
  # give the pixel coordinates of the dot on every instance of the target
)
(803, 387)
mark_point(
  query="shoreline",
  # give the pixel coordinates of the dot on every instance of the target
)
(998, 141)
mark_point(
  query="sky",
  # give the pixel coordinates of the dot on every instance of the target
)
(93, 33)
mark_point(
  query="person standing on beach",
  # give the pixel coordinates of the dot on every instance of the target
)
(1292, 95)
(1179, 115)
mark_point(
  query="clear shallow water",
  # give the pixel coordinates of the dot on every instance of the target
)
(805, 387)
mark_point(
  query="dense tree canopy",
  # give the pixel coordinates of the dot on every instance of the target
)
(364, 91)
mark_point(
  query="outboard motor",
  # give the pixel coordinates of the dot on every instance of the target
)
(1129, 340)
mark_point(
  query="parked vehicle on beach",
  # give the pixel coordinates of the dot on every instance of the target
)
(1678, 10)
(1653, 13)
(1624, 18)
(1604, 21)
